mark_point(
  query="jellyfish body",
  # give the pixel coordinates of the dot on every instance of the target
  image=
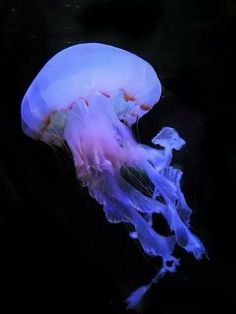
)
(89, 95)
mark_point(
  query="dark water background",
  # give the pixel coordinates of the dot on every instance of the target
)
(58, 253)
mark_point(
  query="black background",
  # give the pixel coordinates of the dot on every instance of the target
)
(58, 252)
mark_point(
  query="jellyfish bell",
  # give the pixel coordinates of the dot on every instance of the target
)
(85, 71)
(89, 95)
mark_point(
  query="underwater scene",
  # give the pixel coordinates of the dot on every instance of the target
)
(118, 156)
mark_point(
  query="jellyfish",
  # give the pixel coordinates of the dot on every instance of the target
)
(88, 96)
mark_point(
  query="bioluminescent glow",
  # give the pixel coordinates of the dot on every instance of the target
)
(88, 96)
